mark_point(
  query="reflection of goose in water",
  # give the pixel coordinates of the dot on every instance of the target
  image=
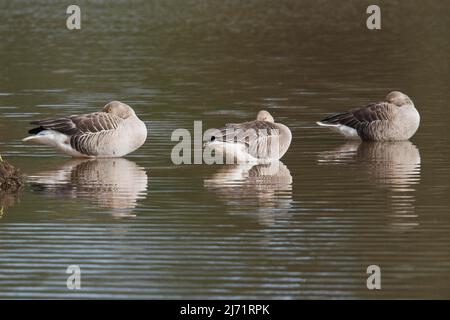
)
(396, 163)
(112, 183)
(265, 186)
(392, 164)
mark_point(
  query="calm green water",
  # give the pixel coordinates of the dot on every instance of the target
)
(142, 227)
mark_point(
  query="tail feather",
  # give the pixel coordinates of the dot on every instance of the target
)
(48, 137)
(335, 119)
(36, 130)
(323, 124)
(35, 139)
(346, 131)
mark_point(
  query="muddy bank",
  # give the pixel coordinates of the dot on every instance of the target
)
(11, 183)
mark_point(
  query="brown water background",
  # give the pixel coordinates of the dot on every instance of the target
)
(142, 227)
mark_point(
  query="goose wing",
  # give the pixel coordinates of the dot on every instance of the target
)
(84, 130)
(360, 117)
(79, 124)
(260, 139)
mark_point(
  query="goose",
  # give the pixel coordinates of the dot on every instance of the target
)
(394, 119)
(113, 132)
(258, 141)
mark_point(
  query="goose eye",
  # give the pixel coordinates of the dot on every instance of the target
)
(213, 138)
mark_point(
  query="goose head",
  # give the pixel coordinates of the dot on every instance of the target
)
(264, 115)
(397, 98)
(119, 109)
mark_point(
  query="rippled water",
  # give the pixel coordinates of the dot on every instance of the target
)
(306, 227)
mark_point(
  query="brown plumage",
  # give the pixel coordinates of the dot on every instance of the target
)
(114, 132)
(80, 128)
(240, 132)
(79, 124)
(258, 140)
(396, 118)
(361, 119)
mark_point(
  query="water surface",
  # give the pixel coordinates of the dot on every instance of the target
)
(308, 227)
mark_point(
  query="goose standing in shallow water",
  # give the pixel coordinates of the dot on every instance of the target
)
(391, 120)
(114, 132)
(258, 141)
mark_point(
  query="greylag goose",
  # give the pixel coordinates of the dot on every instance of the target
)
(258, 141)
(391, 120)
(114, 132)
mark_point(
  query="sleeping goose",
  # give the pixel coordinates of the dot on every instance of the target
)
(390, 120)
(114, 132)
(258, 141)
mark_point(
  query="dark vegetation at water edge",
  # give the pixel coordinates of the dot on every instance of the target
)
(11, 183)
